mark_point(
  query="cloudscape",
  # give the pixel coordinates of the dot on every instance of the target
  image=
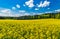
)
(28, 7)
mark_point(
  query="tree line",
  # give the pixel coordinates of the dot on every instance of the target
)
(41, 16)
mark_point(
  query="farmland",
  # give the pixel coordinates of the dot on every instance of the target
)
(30, 29)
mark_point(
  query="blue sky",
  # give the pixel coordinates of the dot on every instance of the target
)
(28, 7)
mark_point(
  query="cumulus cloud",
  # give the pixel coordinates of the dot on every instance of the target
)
(22, 11)
(44, 4)
(9, 15)
(30, 3)
(33, 13)
(58, 10)
(36, 9)
(24, 5)
(13, 8)
(26, 14)
(48, 8)
(18, 6)
(49, 11)
(5, 11)
(12, 13)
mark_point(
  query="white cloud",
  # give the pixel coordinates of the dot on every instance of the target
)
(44, 4)
(48, 8)
(49, 12)
(26, 14)
(22, 11)
(34, 14)
(36, 9)
(58, 10)
(5, 11)
(18, 6)
(13, 8)
(30, 3)
(12, 13)
(24, 5)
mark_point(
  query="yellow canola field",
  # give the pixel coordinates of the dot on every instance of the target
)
(30, 29)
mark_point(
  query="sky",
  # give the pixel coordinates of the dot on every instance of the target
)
(28, 7)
